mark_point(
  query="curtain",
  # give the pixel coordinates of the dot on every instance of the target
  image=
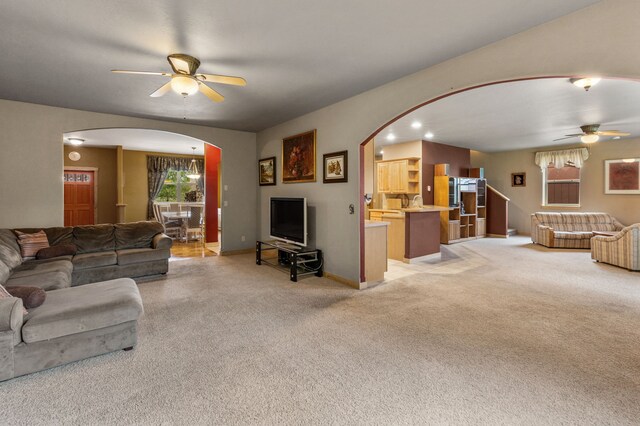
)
(576, 157)
(157, 170)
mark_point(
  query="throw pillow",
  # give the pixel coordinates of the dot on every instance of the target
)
(32, 297)
(31, 243)
(4, 294)
(55, 251)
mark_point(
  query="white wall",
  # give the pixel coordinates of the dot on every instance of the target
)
(524, 201)
(584, 42)
(31, 162)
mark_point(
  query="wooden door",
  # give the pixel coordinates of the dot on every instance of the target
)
(78, 198)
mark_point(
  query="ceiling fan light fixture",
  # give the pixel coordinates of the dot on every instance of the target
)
(589, 138)
(184, 85)
(585, 83)
(76, 141)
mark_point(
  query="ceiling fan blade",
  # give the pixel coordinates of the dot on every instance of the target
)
(166, 74)
(161, 91)
(222, 79)
(210, 93)
(612, 133)
(567, 137)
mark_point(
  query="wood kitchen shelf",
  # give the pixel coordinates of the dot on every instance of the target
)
(469, 196)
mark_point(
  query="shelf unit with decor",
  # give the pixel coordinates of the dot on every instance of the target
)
(400, 176)
(467, 218)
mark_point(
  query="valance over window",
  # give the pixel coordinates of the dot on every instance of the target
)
(576, 157)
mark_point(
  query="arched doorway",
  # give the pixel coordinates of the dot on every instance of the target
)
(565, 118)
(118, 157)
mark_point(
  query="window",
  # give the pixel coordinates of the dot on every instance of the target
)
(561, 186)
(176, 186)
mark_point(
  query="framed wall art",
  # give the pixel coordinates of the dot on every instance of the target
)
(519, 179)
(299, 158)
(267, 171)
(622, 176)
(335, 168)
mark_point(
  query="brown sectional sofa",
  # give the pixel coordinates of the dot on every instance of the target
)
(77, 321)
(570, 229)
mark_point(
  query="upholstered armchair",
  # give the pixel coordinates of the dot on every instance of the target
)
(622, 249)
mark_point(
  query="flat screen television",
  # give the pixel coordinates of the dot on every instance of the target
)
(288, 218)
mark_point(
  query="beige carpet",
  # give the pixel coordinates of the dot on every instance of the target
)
(526, 335)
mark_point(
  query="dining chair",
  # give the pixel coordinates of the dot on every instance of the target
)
(194, 222)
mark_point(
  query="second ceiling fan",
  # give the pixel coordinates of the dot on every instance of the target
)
(185, 81)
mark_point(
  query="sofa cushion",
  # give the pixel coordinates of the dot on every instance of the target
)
(56, 251)
(35, 268)
(136, 234)
(47, 281)
(30, 244)
(130, 256)
(5, 272)
(94, 260)
(84, 308)
(94, 238)
(9, 256)
(562, 235)
(8, 237)
(56, 235)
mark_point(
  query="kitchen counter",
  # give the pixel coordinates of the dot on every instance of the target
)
(413, 232)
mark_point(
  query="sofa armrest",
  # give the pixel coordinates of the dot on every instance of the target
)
(161, 241)
(11, 314)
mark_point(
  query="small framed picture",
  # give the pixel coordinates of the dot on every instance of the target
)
(267, 171)
(519, 179)
(335, 167)
(622, 176)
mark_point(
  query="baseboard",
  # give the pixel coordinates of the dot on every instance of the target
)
(422, 258)
(234, 252)
(345, 281)
(497, 236)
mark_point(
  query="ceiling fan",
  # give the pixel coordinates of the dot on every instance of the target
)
(185, 81)
(590, 133)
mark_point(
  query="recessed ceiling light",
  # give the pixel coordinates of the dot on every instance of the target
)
(428, 135)
(416, 124)
(391, 137)
(76, 141)
(381, 152)
(585, 83)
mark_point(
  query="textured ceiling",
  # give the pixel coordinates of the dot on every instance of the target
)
(523, 114)
(296, 55)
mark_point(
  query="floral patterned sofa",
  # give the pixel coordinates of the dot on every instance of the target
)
(570, 229)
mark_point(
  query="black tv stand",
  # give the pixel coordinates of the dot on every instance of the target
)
(296, 260)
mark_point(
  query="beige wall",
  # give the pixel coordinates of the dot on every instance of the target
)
(136, 185)
(105, 161)
(402, 150)
(561, 47)
(31, 141)
(524, 201)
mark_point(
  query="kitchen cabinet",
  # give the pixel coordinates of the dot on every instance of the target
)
(401, 176)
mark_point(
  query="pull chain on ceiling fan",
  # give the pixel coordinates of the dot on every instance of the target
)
(185, 81)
